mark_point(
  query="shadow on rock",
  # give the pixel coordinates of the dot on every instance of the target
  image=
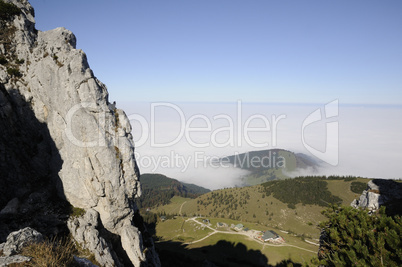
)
(29, 166)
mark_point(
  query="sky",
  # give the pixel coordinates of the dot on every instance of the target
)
(307, 51)
(200, 63)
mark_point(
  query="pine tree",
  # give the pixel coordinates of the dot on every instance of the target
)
(352, 237)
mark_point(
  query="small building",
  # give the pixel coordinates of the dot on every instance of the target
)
(163, 218)
(272, 236)
(221, 224)
(205, 221)
(245, 229)
(238, 227)
(268, 235)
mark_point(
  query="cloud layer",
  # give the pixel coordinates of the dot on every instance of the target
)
(183, 140)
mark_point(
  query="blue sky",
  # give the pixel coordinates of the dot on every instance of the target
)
(229, 50)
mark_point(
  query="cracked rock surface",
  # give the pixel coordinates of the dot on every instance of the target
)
(60, 132)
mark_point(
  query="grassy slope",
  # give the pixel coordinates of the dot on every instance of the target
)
(179, 230)
(274, 254)
(268, 211)
(342, 189)
(174, 206)
(270, 214)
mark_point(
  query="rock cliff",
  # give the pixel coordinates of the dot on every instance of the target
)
(381, 192)
(61, 142)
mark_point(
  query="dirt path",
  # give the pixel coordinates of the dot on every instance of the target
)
(181, 208)
(214, 231)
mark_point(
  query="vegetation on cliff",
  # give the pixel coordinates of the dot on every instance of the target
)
(353, 237)
(8, 10)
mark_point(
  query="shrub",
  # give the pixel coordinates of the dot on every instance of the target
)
(76, 212)
(14, 72)
(117, 152)
(352, 237)
(358, 187)
(7, 10)
(56, 59)
(3, 60)
(350, 178)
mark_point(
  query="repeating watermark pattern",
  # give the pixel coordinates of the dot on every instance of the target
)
(217, 131)
(331, 153)
(200, 159)
(237, 129)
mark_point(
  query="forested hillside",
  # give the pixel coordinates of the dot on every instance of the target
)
(304, 190)
(157, 189)
(272, 164)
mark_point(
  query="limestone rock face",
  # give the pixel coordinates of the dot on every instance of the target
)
(6, 261)
(82, 262)
(11, 207)
(17, 240)
(88, 151)
(369, 199)
(85, 231)
(381, 192)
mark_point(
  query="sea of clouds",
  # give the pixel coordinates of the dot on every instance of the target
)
(185, 140)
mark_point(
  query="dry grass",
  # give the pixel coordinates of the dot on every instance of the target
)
(55, 253)
(50, 253)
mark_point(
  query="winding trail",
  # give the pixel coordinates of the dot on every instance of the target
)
(182, 207)
(214, 231)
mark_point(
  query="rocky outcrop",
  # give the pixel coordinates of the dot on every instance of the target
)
(15, 243)
(85, 230)
(381, 192)
(6, 261)
(60, 131)
(82, 262)
(17, 240)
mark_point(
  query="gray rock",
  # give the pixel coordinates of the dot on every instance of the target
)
(5, 261)
(94, 163)
(17, 240)
(85, 231)
(82, 262)
(379, 192)
(11, 207)
(368, 200)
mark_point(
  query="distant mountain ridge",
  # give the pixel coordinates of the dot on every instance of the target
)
(272, 164)
(158, 189)
(162, 182)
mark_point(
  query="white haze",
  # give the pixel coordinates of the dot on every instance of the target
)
(370, 141)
